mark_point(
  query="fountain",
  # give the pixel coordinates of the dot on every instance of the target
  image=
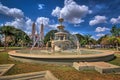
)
(61, 41)
(65, 49)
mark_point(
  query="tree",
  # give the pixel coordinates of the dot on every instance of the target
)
(115, 38)
(87, 39)
(14, 36)
(48, 35)
(80, 38)
(21, 38)
(114, 41)
(6, 31)
(100, 39)
(105, 41)
(115, 31)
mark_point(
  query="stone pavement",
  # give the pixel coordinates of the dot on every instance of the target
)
(42, 75)
(101, 67)
(4, 68)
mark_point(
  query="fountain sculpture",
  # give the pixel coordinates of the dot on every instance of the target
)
(62, 40)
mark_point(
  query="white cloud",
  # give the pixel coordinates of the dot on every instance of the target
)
(40, 6)
(74, 33)
(42, 20)
(76, 25)
(24, 24)
(101, 29)
(71, 12)
(13, 12)
(53, 26)
(28, 24)
(1, 24)
(18, 23)
(100, 35)
(56, 11)
(98, 19)
(115, 20)
(46, 22)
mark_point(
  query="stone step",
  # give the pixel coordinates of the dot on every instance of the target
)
(5, 68)
(101, 67)
(42, 75)
(30, 77)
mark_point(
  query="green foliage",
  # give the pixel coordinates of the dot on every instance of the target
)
(113, 39)
(86, 39)
(81, 39)
(18, 36)
(101, 38)
(7, 30)
(115, 31)
(3, 58)
(21, 37)
(48, 35)
(116, 61)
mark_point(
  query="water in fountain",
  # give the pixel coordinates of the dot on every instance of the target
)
(37, 40)
(75, 40)
(63, 41)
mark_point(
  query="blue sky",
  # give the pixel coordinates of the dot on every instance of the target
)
(94, 17)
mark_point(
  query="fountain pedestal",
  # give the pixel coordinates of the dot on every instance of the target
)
(61, 41)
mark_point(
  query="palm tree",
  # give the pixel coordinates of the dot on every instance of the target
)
(81, 39)
(6, 31)
(115, 31)
(48, 35)
(21, 37)
(105, 41)
(16, 35)
(87, 38)
(115, 41)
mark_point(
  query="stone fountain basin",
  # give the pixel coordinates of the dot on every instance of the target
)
(57, 58)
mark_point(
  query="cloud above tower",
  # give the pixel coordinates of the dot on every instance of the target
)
(42, 20)
(71, 12)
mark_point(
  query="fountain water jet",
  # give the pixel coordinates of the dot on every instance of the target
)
(40, 37)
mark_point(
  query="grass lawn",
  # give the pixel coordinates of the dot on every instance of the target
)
(60, 71)
(12, 48)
